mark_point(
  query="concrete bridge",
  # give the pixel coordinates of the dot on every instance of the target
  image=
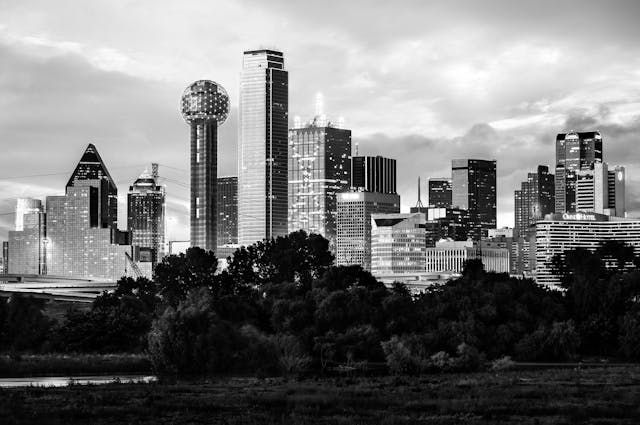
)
(60, 288)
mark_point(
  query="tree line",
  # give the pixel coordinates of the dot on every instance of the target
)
(281, 306)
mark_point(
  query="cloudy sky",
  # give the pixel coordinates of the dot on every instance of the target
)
(421, 81)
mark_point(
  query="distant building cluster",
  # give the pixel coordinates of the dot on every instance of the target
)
(309, 177)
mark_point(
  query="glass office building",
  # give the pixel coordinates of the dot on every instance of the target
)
(440, 192)
(262, 147)
(373, 174)
(28, 245)
(473, 188)
(534, 200)
(398, 244)
(146, 215)
(353, 242)
(205, 106)
(92, 172)
(319, 156)
(81, 241)
(227, 211)
(575, 151)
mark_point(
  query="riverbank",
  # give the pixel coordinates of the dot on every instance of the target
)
(596, 395)
(73, 364)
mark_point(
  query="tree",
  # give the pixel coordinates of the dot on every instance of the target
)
(176, 275)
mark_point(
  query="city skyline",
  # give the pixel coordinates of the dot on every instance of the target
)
(100, 88)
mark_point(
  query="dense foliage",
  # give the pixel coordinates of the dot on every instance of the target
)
(282, 307)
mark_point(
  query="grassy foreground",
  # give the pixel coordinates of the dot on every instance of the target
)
(601, 395)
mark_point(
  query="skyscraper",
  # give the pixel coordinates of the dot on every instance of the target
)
(205, 106)
(353, 244)
(92, 172)
(575, 151)
(146, 215)
(80, 241)
(398, 244)
(26, 206)
(534, 200)
(319, 156)
(227, 211)
(28, 245)
(601, 190)
(262, 147)
(373, 174)
(440, 192)
(474, 189)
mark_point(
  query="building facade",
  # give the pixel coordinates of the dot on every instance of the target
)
(227, 211)
(373, 174)
(440, 192)
(92, 172)
(447, 223)
(559, 233)
(146, 215)
(25, 206)
(263, 147)
(449, 257)
(473, 189)
(534, 200)
(575, 151)
(601, 190)
(205, 106)
(353, 241)
(319, 168)
(397, 244)
(28, 245)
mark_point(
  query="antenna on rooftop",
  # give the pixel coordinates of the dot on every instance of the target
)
(419, 204)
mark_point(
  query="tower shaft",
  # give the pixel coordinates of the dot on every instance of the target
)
(204, 173)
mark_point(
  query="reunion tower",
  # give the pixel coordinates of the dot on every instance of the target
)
(205, 106)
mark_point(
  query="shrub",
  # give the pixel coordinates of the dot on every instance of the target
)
(503, 363)
(398, 357)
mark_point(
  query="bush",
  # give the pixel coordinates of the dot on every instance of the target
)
(398, 357)
(192, 339)
(503, 363)
(291, 355)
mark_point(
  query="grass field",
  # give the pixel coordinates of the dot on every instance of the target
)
(593, 396)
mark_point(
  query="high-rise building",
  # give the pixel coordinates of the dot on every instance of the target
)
(353, 243)
(26, 206)
(80, 238)
(227, 211)
(28, 245)
(205, 106)
(559, 233)
(146, 216)
(575, 151)
(447, 223)
(440, 192)
(474, 189)
(5, 256)
(262, 148)
(397, 244)
(92, 172)
(533, 200)
(617, 192)
(373, 174)
(319, 168)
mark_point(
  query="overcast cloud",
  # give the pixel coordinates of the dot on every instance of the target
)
(422, 82)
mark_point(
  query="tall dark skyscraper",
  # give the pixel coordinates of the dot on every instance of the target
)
(146, 215)
(534, 199)
(440, 192)
(575, 151)
(319, 156)
(373, 174)
(227, 210)
(205, 106)
(262, 148)
(92, 172)
(474, 189)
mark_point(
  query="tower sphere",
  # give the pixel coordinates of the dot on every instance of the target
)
(205, 100)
